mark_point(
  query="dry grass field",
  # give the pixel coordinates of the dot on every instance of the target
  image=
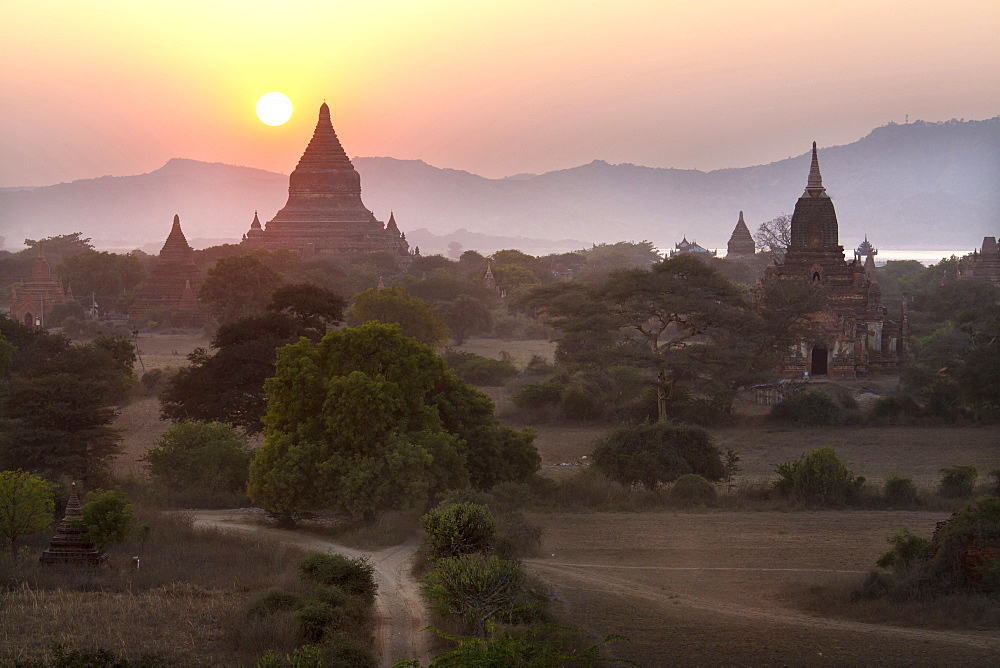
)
(720, 586)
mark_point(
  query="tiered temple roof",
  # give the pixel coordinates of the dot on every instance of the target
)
(324, 213)
(68, 546)
(983, 264)
(170, 290)
(857, 337)
(741, 244)
(686, 246)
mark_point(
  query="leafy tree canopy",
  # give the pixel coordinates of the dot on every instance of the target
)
(201, 455)
(653, 454)
(111, 278)
(237, 287)
(369, 420)
(414, 316)
(108, 517)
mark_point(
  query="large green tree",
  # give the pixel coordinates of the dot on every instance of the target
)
(369, 420)
(209, 459)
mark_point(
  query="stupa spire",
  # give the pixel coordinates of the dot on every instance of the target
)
(324, 148)
(255, 225)
(814, 186)
(41, 268)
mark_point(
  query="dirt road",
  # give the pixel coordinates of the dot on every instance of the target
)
(718, 588)
(401, 616)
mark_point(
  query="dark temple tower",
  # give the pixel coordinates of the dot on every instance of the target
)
(324, 213)
(856, 336)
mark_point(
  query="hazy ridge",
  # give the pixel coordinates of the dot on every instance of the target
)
(906, 186)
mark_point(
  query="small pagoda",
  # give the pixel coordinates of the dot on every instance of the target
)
(170, 291)
(68, 546)
(741, 245)
(32, 299)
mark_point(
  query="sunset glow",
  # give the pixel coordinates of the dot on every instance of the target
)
(493, 88)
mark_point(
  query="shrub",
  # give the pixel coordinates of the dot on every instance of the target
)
(312, 619)
(479, 370)
(895, 407)
(693, 490)
(536, 395)
(459, 529)
(352, 575)
(957, 482)
(107, 516)
(651, 454)
(539, 366)
(818, 478)
(907, 550)
(900, 492)
(272, 601)
(516, 536)
(198, 460)
(811, 408)
(577, 404)
(476, 588)
(995, 474)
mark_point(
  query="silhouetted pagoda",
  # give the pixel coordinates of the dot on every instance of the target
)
(170, 290)
(983, 264)
(741, 245)
(324, 214)
(856, 337)
(68, 546)
(32, 299)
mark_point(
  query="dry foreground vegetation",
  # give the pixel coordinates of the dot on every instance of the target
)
(756, 581)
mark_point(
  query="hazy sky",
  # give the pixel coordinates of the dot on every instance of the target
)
(496, 88)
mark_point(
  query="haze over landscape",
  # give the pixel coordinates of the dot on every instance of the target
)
(505, 90)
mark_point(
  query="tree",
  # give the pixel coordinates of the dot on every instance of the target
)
(227, 385)
(111, 278)
(314, 307)
(414, 316)
(653, 454)
(365, 421)
(56, 402)
(477, 588)
(26, 506)
(652, 319)
(206, 456)
(465, 316)
(774, 236)
(237, 287)
(107, 516)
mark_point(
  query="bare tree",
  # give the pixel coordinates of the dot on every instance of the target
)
(774, 236)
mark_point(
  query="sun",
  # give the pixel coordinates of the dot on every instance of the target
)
(274, 108)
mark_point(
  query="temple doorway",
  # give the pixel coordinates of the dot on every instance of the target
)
(818, 366)
(29, 319)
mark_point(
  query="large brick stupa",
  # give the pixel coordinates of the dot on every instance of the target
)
(324, 214)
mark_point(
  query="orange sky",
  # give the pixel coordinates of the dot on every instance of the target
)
(496, 88)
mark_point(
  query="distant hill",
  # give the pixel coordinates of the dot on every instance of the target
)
(930, 185)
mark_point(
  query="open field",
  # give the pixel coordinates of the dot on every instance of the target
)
(721, 587)
(718, 588)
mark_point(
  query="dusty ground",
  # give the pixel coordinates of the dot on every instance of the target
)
(161, 351)
(712, 588)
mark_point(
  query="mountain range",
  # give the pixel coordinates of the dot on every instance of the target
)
(918, 185)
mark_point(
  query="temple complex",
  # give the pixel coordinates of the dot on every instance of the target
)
(68, 546)
(686, 246)
(856, 336)
(169, 294)
(32, 299)
(324, 214)
(741, 245)
(983, 264)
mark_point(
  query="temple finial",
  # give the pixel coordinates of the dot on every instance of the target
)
(814, 186)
